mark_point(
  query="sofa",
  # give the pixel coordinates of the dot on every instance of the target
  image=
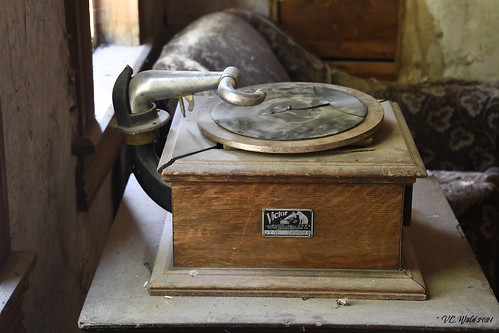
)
(455, 123)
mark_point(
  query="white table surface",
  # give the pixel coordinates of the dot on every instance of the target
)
(459, 294)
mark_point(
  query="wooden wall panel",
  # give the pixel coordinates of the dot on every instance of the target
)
(4, 202)
(117, 21)
(357, 36)
(346, 29)
(39, 119)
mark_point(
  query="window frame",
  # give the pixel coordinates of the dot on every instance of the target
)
(96, 146)
(5, 247)
(80, 51)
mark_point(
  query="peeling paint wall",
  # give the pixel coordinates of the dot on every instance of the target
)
(37, 104)
(449, 39)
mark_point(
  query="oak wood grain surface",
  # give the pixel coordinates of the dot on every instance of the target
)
(220, 225)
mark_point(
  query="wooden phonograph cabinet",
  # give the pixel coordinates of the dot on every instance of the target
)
(305, 192)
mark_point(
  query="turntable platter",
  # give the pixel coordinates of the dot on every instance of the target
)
(294, 118)
(293, 112)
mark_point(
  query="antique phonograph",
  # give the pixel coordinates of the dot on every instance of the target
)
(285, 189)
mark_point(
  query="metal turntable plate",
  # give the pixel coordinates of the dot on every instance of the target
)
(296, 117)
(293, 111)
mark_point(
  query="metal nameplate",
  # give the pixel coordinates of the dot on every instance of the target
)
(287, 222)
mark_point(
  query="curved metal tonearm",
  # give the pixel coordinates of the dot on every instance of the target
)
(137, 116)
(134, 97)
(226, 90)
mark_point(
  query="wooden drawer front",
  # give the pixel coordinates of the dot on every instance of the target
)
(220, 225)
(344, 29)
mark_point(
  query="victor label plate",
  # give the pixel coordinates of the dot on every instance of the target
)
(287, 222)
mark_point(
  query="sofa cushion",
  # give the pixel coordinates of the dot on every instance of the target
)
(455, 123)
(474, 201)
(299, 62)
(219, 40)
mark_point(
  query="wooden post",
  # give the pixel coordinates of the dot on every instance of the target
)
(4, 203)
(117, 22)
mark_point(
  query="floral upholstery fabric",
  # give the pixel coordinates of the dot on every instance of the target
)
(475, 203)
(455, 124)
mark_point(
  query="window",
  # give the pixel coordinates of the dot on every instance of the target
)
(103, 38)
